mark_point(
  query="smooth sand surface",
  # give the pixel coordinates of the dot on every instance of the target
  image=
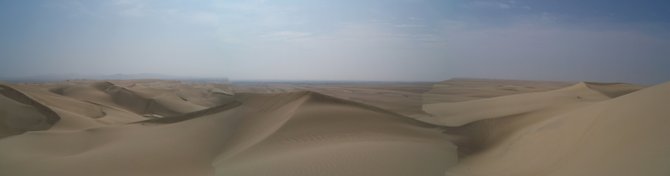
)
(463, 127)
(460, 113)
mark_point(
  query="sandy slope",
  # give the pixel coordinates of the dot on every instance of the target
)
(469, 128)
(20, 113)
(460, 113)
(300, 133)
(315, 134)
(464, 89)
(402, 98)
(621, 136)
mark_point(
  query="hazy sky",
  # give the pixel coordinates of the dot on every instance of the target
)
(596, 40)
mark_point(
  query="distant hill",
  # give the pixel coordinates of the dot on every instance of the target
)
(64, 77)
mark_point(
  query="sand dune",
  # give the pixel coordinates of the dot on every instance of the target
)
(315, 134)
(301, 133)
(462, 127)
(402, 98)
(463, 89)
(186, 148)
(460, 113)
(20, 113)
(621, 136)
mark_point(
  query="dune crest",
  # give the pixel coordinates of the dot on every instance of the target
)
(461, 113)
(612, 90)
(602, 139)
(20, 113)
(299, 133)
(511, 128)
(322, 134)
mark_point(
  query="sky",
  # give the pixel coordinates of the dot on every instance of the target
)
(381, 40)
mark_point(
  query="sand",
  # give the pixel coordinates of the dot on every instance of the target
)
(463, 127)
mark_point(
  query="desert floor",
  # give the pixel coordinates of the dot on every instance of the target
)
(458, 127)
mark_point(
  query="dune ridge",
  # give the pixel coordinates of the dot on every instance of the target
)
(20, 113)
(619, 136)
(517, 128)
(461, 113)
(300, 130)
(316, 133)
(95, 104)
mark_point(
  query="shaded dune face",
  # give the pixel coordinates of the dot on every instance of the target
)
(486, 122)
(141, 104)
(165, 104)
(461, 113)
(612, 90)
(20, 113)
(316, 134)
(584, 129)
(621, 136)
(107, 101)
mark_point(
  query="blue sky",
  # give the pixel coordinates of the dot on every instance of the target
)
(388, 40)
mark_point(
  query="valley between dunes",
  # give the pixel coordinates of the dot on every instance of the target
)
(458, 127)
